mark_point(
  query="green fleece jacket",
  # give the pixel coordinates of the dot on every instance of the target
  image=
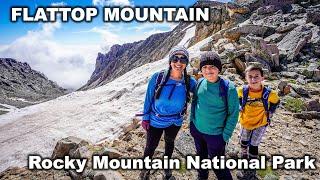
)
(208, 111)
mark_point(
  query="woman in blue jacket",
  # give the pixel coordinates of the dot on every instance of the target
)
(165, 104)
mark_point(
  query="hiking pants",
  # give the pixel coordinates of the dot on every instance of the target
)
(250, 139)
(209, 146)
(153, 137)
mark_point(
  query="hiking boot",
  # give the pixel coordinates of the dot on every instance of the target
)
(144, 175)
(242, 174)
(168, 174)
(252, 174)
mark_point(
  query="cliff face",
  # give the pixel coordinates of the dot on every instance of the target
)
(21, 86)
(123, 58)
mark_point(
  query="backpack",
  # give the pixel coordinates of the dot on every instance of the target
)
(161, 80)
(265, 95)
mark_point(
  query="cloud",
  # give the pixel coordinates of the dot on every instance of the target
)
(118, 34)
(150, 26)
(112, 3)
(59, 4)
(68, 65)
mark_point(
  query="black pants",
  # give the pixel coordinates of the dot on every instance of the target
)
(153, 137)
(209, 146)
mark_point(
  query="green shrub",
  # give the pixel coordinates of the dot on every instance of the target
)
(294, 104)
(267, 172)
(183, 168)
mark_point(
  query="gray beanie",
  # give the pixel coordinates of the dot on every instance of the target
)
(178, 50)
(210, 58)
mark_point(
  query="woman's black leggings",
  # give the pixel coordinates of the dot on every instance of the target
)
(153, 138)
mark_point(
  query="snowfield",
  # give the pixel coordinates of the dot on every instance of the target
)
(94, 115)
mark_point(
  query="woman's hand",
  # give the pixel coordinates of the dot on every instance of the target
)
(145, 124)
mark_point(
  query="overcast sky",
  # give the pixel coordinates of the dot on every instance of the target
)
(66, 52)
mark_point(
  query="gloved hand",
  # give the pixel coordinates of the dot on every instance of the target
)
(145, 124)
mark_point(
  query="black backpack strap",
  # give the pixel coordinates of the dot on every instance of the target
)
(224, 88)
(245, 94)
(187, 85)
(265, 96)
(198, 84)
(188, 98)
(161, 78)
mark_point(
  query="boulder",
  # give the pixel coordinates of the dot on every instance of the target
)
(234, 8)
(215, 37)
(206, 47)
(107, 175)
(267, 52)
(239, 65)
(307, 115)
(231, 70)
(112, 153)
(65, 145)
(232, 34)
(288, 74)
(258, 30)
(313, 105)
(284, 87)
(300, 90)
(274, 38)
(312, 71)
(267, 10)
(286, 28)
(296, 9)
(313, 15)
(292, 43)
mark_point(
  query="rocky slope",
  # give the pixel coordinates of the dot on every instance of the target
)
(122, 58)
(22, 86)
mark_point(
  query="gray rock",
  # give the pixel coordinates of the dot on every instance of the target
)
(312, 71)
(244, 29)
(267, 9)
(239, 64)
(284, 87)
(288, 74)
(266, 52)
(292, 43)
(206, 47)
(296, 9)
(270, 177)
(286, 28)
(112, 153)
(307, 115)
(107, 175)
(313, 105)
(80, 152)
(300, 90)
(313, 15)
(65, 145)
(274, 38)
(184, 143)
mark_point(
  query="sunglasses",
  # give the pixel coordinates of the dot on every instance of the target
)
(182, 58)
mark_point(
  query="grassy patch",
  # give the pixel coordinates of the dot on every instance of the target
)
(294, 104)
(292, 81)
(267, 172)
(183, 168)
